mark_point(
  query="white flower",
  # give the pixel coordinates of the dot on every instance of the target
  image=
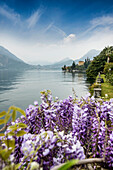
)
(61, 133)
(36, 103)
(59, 144)
(106, 95)
(46, 152)
(28, 142)
(34, 166)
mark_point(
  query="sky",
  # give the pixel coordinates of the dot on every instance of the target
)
(46, 31)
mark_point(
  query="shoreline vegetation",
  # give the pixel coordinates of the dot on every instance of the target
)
(101, 64)
(80, 67)
(102, 67)
(106, 88)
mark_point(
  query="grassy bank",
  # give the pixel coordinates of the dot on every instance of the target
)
(106, 87)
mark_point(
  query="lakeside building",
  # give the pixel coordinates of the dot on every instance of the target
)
(81, 63)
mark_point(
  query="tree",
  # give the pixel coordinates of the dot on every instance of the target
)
(73, 65)
(108, 70)
(87, 62)
(98, 63)
(64, 68)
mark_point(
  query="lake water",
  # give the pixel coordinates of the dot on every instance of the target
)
(23, 87)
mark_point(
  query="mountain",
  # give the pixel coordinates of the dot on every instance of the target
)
(40, 62)
(68, 62)
(5, 53)
(59, 64)
(90, 54)
(10, 61)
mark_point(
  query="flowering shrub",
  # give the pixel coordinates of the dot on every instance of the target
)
(50, 149)
(50, 115)
(56, 131)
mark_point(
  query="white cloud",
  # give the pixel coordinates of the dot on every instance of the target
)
(69, 38)
(33, 49)
(51, 32)
(30, 51)
(34, 18)
(27, 28)
(59, 30)
(9, 14)
(104, 20)
(48, 27)
(29, 23)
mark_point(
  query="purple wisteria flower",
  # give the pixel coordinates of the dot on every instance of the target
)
(50, 149)
(58, 131)
(92, 124)
(109, 152)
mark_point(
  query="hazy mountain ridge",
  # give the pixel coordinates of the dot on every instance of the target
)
(6, 53)
(90, 54)
(68, 62)
(10, 61)
(58, 65)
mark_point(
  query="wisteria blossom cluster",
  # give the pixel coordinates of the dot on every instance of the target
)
(109, 151)
(50, 115)
(49, 149)
(61, 130)
(92, 123)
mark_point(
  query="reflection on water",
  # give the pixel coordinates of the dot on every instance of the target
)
(3, 100)
(73, 77)
(8, 80)
(23, 88)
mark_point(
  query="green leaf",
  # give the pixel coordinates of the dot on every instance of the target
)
(21, 111)
(68, 165)
(32, 152)
(2, 114)
(1, 121)
(1, 134)
(10, 143)
(5, 153)
(13, 127)
(14, 115)
(36, 158)
(11, 134)
(21, 133)
(48, 91)
(22, 125)
(7, 117)
(9, 167)
(6, 167)
(18, 165)
(11, 108)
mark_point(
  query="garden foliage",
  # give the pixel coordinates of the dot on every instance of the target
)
(98, 63)
(108, 70)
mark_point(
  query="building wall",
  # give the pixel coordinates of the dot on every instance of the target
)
(80, 63)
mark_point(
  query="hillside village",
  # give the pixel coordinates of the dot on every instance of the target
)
(81, 66)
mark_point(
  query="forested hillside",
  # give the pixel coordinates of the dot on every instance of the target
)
(98, 63)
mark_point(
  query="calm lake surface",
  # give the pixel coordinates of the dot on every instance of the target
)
(23, 87)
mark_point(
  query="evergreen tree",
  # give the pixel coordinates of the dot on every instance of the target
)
(98, 63)
(64, 68)
(73, 65)
(87, 62)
